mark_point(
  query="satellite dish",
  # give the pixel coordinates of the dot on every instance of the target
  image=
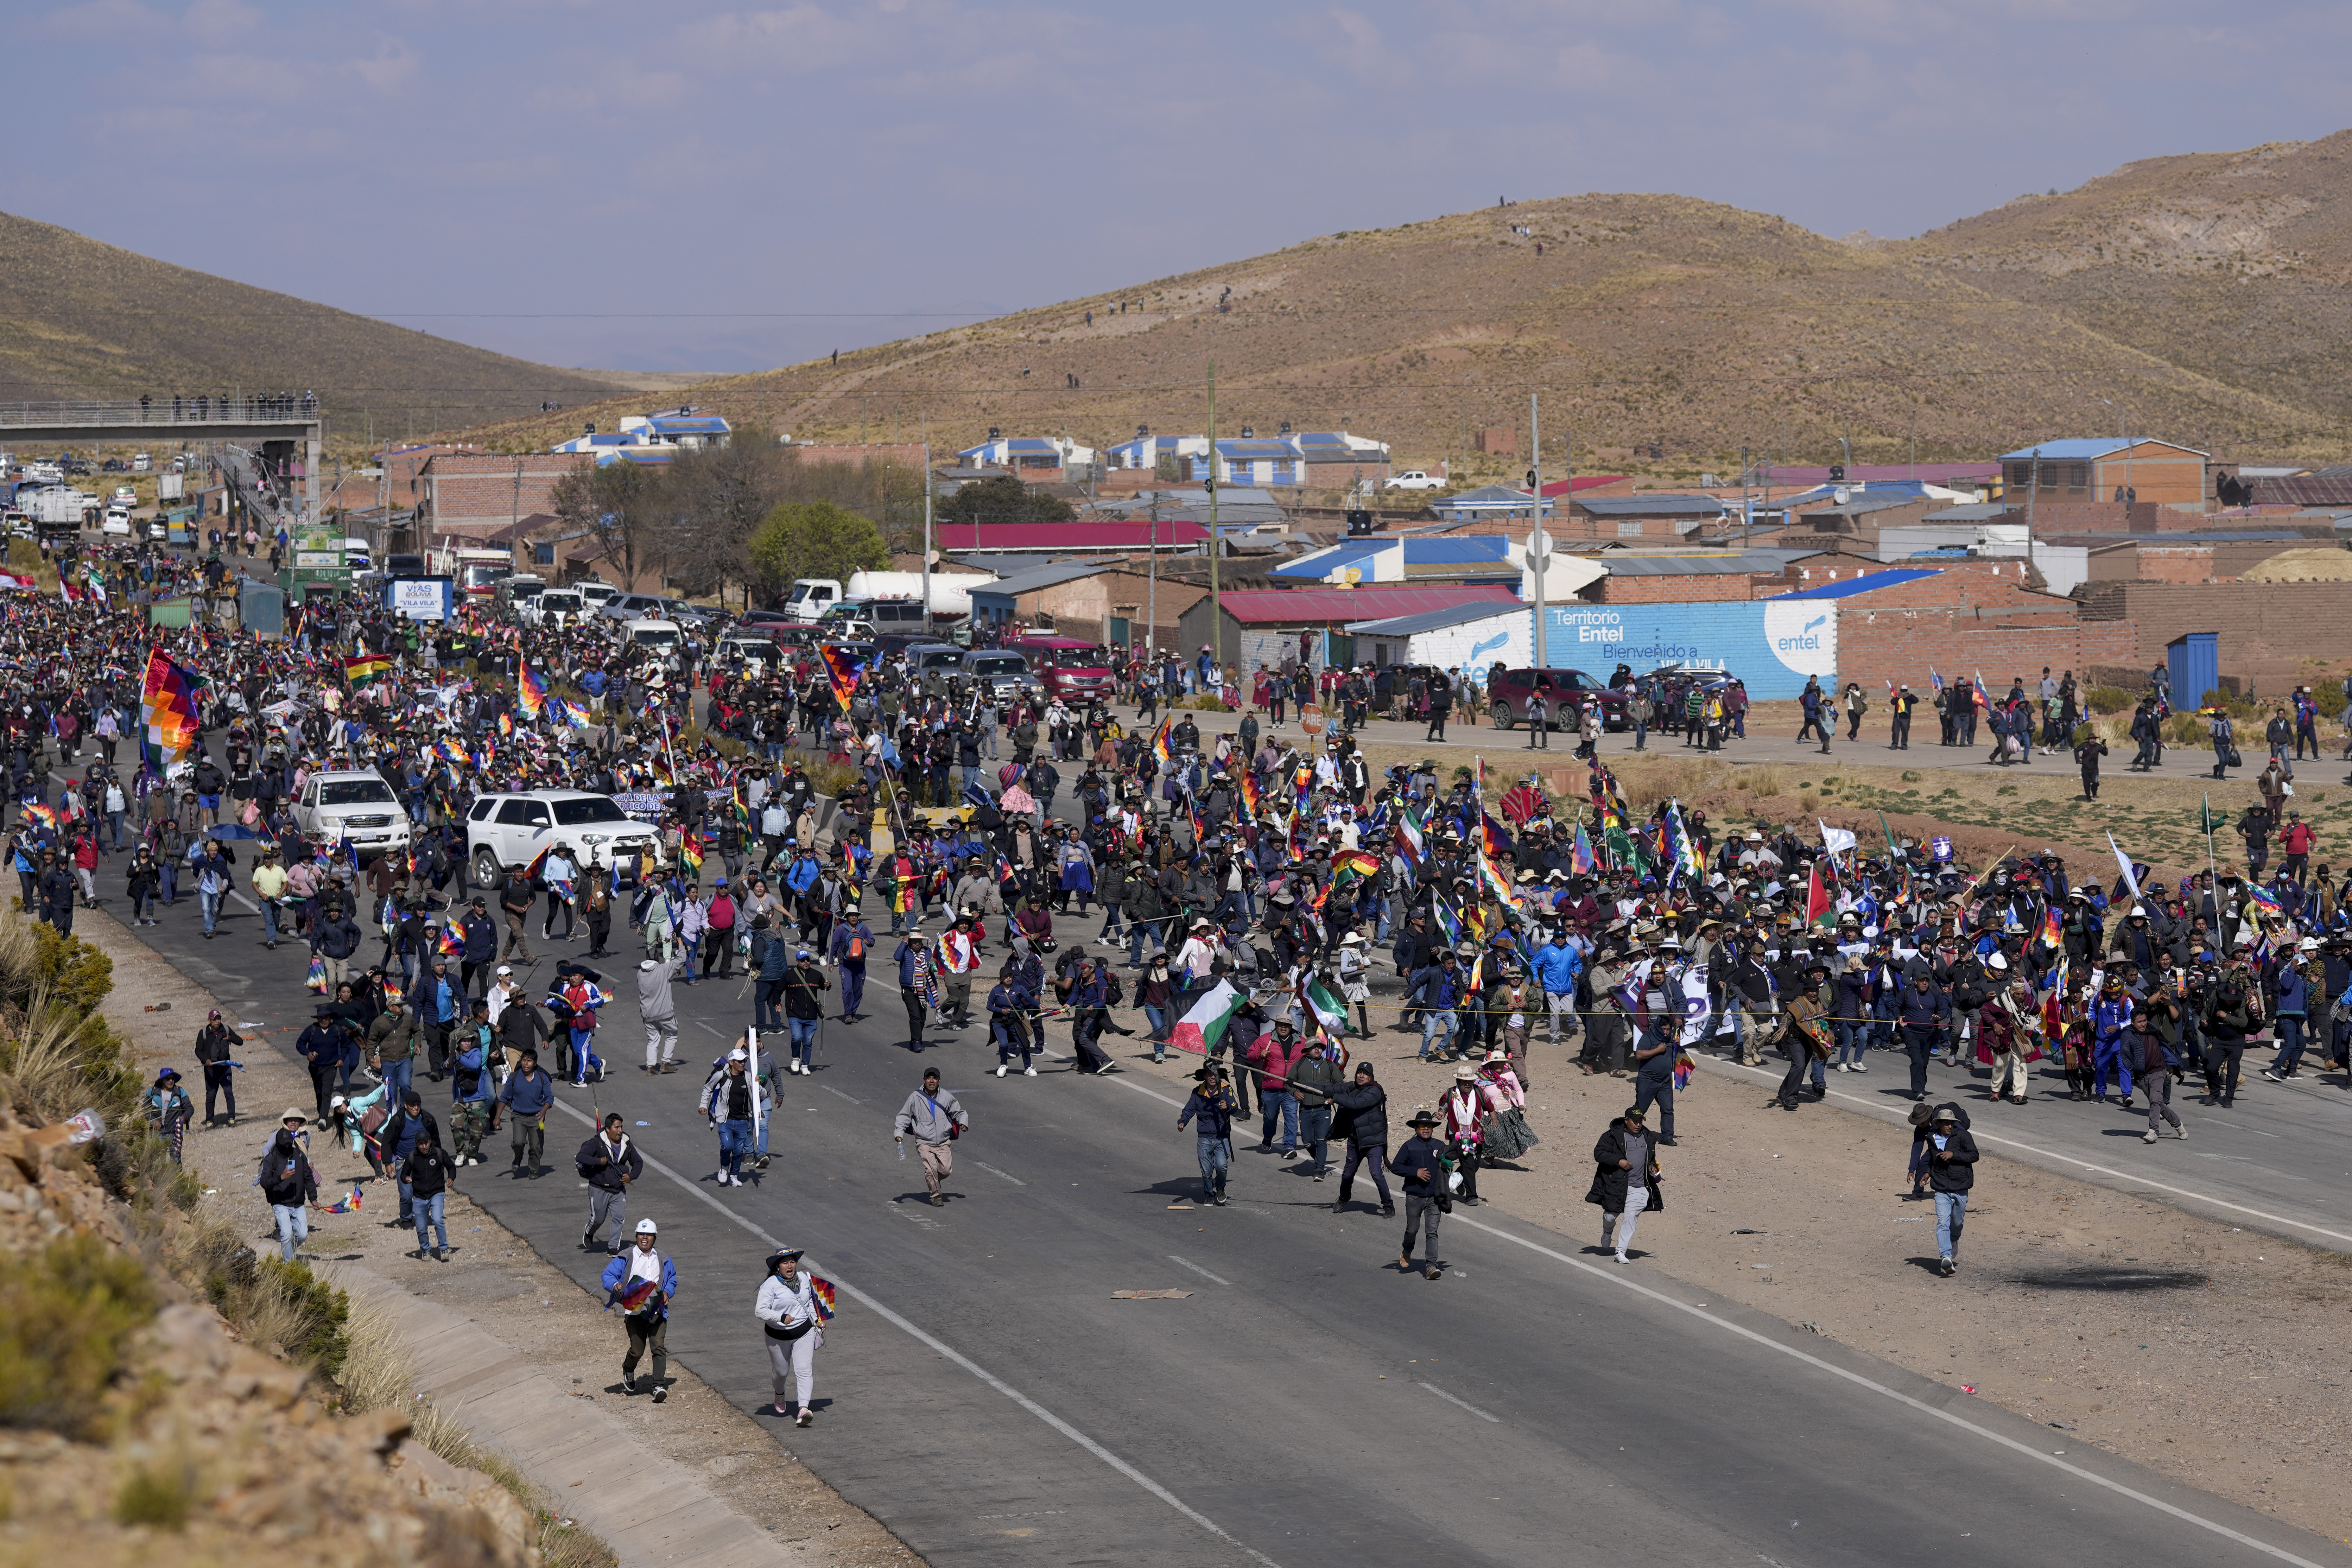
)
(1351, 576)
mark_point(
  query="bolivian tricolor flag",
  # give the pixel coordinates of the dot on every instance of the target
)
(365, 667)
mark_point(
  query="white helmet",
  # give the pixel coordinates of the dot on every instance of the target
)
(647, 1227)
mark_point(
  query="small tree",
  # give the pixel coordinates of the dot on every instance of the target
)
(620, 506)
(816, 539)
(1001, 498)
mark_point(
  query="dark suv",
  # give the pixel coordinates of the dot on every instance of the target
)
(1563, 691)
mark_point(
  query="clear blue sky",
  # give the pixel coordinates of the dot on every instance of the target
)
(682, 185)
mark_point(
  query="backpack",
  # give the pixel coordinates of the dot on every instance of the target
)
(466, 1080)
(1115, 995)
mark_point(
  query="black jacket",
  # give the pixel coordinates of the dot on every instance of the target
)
(1956, 1173)
(1609, 1182)
(1362, 1117)
(1419, 1155)
(603, 1170)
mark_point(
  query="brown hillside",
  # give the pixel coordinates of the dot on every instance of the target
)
(2187, 289)
(2232, 266)
(79, 319)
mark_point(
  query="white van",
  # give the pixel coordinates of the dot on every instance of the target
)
(661, 635)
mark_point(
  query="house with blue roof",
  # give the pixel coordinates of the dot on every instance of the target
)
(639, 436)
(1032, 459)
(1320, 460)
(2108, 468)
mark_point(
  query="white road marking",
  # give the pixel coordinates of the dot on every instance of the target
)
(934, 1342)
(1879, 1113)
(1464, 1403)
(850, 1098)
(1188, 1263)
(1875, 1386)
(1006, 1174)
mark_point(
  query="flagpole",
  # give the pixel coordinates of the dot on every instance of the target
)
(2214, 877)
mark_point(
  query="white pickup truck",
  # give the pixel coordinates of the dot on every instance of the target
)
(1414, 480)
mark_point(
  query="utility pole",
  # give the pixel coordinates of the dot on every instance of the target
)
(1151, 589)
(927, 524)
(1747, 518)
(1538, 560)
(2032, 488)
(1216, 622)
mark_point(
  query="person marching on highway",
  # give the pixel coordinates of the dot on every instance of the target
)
(1624, 1180)
(642, 1280)
(792, 1313)
(1213, 1105)
(608, 1162)
(936, 1118)
(1420, 1160)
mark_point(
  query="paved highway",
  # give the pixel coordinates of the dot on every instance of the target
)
(985, 1396)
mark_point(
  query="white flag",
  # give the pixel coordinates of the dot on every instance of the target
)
(1836, 840)
(2124, 860)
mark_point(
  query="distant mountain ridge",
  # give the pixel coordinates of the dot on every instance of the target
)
(2202, 297)
(82, 318)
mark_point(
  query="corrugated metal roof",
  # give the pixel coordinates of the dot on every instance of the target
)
(1316, 606)
(1579, 483)
(1030, 579)
(1065, 536)
(1756, 563)
(1853, 585)
(1475, 550)
(1861, 505)
(1983, 513)
(1433, 620)
(2076, 450)
(1323, 563)
(1652, 505)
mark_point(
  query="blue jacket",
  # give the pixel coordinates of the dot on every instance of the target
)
(1557, 966)
(905, 957)
(528, 1093)
(2294, 990)
(1215, 1117)
(776, 957)
(804, 875)
(1918, 1008)
(616, 1273)
(2109, 1018)
(481, 939)
(470, 1059)
(1433, 987)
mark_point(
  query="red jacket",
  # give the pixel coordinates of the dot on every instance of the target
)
(2298, 837)
(1273, 1059)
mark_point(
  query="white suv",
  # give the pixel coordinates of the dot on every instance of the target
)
(358, 806)
(504, 830)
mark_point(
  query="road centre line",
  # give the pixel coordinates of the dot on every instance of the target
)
(1188, 1263)
(974, 1368)
(1464, 1403)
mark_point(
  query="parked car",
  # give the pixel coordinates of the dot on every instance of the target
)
(556, 608)
(354, 807)
(1414, 480)
(626, 607)
(1507, 696)
(504, 830)
(1003, 675)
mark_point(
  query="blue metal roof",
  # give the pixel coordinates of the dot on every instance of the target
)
(1030, 443)
(1254, 449)
(689, 425)
(2071, 450)
(1323, 563)
(1449, 552)
(1853, 585)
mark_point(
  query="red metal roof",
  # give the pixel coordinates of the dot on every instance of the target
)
(1296, 606)
(1579, 484)
(1074, 536)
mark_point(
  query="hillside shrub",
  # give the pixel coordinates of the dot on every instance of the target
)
(68, 1316)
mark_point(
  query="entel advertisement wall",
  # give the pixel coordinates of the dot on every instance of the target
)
(1772, 645)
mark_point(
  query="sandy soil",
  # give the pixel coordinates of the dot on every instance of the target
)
(494, 1278)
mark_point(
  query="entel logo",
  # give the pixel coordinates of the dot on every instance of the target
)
(1802, 638)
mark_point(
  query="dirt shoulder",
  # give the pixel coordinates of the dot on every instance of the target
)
(494, 1278)
(2232, 1384)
